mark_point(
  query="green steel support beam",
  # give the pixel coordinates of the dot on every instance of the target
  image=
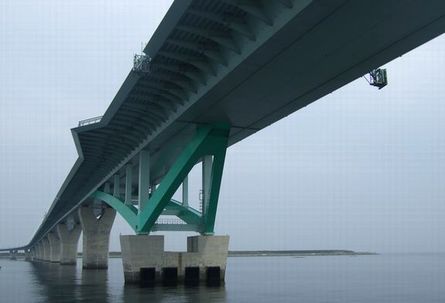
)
(215, 186)
(128, 212)
(188, 214)
(209, 140)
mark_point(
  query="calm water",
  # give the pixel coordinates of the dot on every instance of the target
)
(383, 278)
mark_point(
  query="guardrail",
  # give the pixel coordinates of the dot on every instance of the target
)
(90, 121)
(169, 221)
(141, 63)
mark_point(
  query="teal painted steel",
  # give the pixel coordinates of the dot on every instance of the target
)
(188, 214)
(130, 213)
(127, 211)
(209, 140)
(217, 171)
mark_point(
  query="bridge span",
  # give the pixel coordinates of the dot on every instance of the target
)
(213, 73)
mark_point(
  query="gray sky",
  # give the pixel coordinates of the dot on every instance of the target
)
(360, 169)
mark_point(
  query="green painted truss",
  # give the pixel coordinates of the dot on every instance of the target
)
(208, 141)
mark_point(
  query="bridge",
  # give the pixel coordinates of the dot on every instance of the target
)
(213, 73)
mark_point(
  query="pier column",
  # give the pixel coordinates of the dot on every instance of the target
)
(40, 251)
(37, 252)
(33, 253)
(46, 249)
(54, 247)
(116, 186)
(145, 261)
(96, 237)
(128, 184)
(13, 254)
(28, 255)
(185, 192)
(69, 240)
(144, 179)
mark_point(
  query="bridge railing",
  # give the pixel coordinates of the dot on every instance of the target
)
(90, 121)
(141, 63)
(170, 221)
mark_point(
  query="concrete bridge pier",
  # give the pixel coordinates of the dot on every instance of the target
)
(69, 240)
(54, 247)
(145, 262)
(46, 249)
(40, 251)
(32, 254)
(13, 255)
(36, 252)
(96, 237)
(28, 255)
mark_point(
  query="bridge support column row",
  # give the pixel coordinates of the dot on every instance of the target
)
(61, 245)
(68, 243)
(145, 261)
(96, 237)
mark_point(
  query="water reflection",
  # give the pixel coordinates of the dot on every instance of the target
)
(74, 284)
(57, 283)
(94, 286)
(174, 294)
(364, 279)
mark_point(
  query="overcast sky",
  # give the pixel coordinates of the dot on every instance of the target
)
(359, 169)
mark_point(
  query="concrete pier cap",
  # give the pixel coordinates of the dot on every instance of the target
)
(145, 262)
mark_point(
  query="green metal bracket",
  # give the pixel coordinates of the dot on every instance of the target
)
(209, 140)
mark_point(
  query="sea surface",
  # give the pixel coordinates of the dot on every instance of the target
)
(416, 278)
